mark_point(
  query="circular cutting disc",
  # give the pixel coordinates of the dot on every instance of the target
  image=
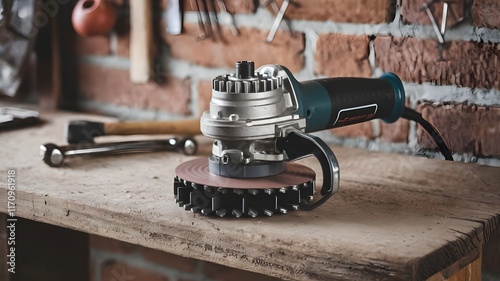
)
(196, 171)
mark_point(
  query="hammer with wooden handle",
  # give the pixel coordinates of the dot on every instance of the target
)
(85, 131)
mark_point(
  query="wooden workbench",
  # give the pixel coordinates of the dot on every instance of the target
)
(395, 216)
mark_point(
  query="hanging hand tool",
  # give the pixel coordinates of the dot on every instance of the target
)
(79, 131)
(208, 26)
(173, 17)
(277, 21)
(260, 121)
(232, 26)
(276, 9)
(54, 155)
(141, 41)
(440, 31)
(213, 13)
(201, 25)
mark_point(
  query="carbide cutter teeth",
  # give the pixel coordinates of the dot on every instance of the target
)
(206, 211)
(252, 212)
(269, 191)
(253, 191)
(221, 213)
(236, 213)
(238, 202)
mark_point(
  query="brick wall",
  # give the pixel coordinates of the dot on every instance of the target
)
(120, 261)
(459, 93)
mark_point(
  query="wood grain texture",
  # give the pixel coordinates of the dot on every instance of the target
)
(395, 217)
(178, 127)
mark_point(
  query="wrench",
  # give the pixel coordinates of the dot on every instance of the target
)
(54, 155)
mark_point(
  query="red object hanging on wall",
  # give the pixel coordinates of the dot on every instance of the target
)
(93, 17)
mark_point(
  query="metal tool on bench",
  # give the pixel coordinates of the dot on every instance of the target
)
(54, 155)
(260, 121)
(79, 131)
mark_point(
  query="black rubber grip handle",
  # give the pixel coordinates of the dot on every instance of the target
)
(355, 100)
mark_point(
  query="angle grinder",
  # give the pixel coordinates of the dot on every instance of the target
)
(260, 121)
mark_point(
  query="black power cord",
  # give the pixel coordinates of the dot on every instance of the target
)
(412, 115)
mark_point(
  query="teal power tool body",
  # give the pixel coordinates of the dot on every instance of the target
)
(260, 121)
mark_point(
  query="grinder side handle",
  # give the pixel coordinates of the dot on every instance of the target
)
(297, 145)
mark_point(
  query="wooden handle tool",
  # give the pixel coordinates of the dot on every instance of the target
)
(85, 131)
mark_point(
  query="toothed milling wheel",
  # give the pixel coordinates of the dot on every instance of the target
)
(254, 197)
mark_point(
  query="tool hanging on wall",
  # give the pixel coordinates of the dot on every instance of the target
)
(54, 155)
(440, 31)
(280, 17)
(173, 17)
(232, 21)
(141, 34)
(260, 121)
(208, 20)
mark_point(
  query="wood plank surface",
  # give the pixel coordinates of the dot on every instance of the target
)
(395, 217)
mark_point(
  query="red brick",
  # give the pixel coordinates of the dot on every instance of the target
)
(111, 245)
(93, 45)
(465, 128)
(223, 273)
(233, 6)
(249, 45)
(486, 13)
(116, 271)
(204, 96)
(395, 132)
(353, 11)
(168, 260)
(412, 12)
(465, 64)
(114, 86)
(363, 130)
(342, 55)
